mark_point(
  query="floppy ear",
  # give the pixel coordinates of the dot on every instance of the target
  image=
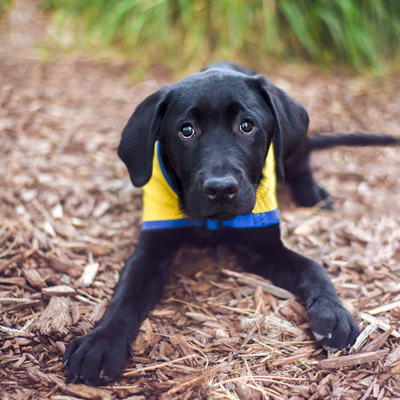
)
(291, 122)
(136, 148)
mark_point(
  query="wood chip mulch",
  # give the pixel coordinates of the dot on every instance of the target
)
(69, 217)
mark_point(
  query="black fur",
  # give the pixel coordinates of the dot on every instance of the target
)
(305, 192)
(217, 172)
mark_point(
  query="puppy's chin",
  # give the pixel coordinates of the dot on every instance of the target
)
(222, 216)
(220, 213)
(196, 206)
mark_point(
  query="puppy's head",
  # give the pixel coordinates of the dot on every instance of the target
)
(215, 129)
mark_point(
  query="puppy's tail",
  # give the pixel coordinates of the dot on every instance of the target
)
(320, 142)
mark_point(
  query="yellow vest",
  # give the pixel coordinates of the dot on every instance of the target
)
(161, 205)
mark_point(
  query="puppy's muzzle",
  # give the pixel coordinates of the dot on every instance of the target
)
(221, 189)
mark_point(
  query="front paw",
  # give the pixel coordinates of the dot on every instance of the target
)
(332, 325)
(96, 358)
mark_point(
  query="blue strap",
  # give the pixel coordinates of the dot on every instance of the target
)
(240, 222)
(259, 220)
(171, 223)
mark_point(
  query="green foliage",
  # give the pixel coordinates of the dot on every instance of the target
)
(357, 33)
(4, 7)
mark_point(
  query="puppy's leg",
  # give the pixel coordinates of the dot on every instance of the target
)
(298, 175)
(265, 255)
(99, 356)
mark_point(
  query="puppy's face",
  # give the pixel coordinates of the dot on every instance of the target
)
(216, 132)
(215, 128)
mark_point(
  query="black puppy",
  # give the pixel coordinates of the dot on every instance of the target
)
(221, 134)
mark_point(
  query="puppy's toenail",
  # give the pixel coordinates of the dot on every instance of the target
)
(318, 336)
(103, 374)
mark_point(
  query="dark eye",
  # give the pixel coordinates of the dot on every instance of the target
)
(187, 131)
(246, 127)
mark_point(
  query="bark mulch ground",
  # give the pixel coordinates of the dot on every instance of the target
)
(69, 217)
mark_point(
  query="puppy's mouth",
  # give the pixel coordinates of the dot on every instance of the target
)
(196, 205)
(222, 216)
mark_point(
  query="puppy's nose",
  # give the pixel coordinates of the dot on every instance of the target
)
(221, 189)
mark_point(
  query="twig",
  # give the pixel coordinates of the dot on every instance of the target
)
(384, 308)
(137, 371)
(383, 325)
(83, 293)
(17, 258)
(392, 357)
(291, 359)
(271, 392)
(14, 300)
(379, 341)
(258, 281)
(363, 336)
(366, 394)
(266, 378)
(354, 359)
(15, 332)
(238, 310)
(194, 380)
